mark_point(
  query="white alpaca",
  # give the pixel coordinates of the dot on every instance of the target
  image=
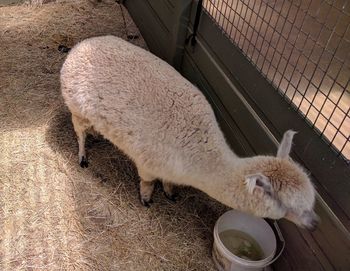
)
(167, 127)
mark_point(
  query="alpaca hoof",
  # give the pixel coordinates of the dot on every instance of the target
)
(84, 162)
(171, 197)
(146, 203)
(63, 49)
(132, 36)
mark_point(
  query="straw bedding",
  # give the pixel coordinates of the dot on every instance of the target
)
(53, 214)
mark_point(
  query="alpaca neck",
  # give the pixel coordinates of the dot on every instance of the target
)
(219, 180)
(227, 185)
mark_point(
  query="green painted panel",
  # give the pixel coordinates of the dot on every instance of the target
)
(220, 63)
(165, 12)
(253, 117)
(163, 25)
(331, 172)
(153, 30)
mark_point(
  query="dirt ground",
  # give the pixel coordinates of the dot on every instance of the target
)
(53, 214)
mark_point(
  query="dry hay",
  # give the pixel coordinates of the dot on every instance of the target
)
(55, 215)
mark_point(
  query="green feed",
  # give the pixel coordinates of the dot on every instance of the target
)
(242, 245)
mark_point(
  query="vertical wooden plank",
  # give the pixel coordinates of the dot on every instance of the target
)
(182, 13)
(163, 25)
(297, 254)
(153, 30)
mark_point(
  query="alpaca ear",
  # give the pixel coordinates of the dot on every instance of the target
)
(286, 144)
(258, 181)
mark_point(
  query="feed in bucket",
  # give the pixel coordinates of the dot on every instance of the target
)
(242, 245)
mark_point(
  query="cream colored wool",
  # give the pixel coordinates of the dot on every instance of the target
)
(166, 126)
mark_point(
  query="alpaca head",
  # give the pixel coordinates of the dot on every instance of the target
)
(279, 188)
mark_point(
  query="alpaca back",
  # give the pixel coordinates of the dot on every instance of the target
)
(141, 104)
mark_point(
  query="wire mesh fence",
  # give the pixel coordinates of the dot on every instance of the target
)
(302, 47)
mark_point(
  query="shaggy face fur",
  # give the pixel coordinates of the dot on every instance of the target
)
(281, 186)
(283, 190)
(167, 127)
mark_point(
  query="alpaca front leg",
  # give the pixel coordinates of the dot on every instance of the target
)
(146, 190)
(80, 127)
(146, 185)
(83, 162)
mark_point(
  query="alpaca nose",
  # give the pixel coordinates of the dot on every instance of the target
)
(311, 220)
(312, 225)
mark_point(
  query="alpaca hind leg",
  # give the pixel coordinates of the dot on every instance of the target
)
(80, 127)
(169, 191)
